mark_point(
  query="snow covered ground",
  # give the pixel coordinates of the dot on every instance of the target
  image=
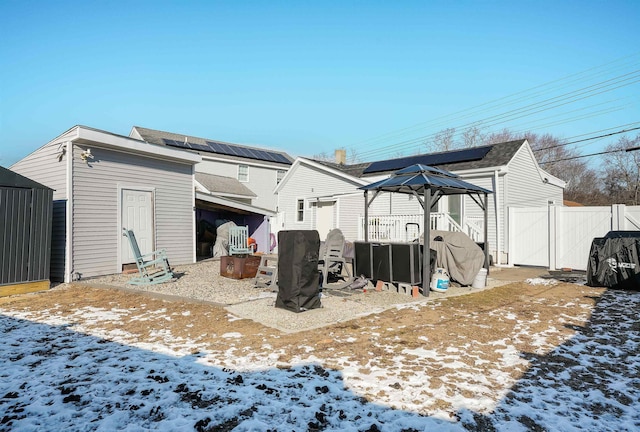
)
(61, 372)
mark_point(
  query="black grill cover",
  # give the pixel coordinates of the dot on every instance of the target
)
(614, 260)
(298, 277)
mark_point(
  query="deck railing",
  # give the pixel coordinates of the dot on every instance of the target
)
(405, 228)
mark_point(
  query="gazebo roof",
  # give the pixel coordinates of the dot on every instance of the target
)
(416, 178)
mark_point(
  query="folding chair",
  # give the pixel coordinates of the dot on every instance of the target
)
(331, 259)
(267, 274)
(153, 268)
(239, 240)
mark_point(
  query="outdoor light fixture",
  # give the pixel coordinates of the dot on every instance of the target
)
(86, 155)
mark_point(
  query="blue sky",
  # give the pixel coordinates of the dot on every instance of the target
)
(309, 77)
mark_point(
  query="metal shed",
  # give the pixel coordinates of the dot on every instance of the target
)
(26, 209)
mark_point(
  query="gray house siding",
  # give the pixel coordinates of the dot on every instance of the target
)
(262, 178)
(45, 167)
(96, 234)
(526, 187)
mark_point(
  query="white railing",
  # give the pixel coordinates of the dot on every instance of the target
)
(475, 227)
(403, 228)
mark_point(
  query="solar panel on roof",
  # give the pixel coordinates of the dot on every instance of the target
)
(175, 143)
(200, 147)
(456, 156)
(246, 152)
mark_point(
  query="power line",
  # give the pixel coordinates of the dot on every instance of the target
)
(583, 156)
(525, 111)
(587, 139)
(518, 96)
(555, 102)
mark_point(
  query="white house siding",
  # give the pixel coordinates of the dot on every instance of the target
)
(350, 209)
(471, 209)
(46, 168)
(309, 183)
(404, 204)
(526, 188)
(262, 178)
(96, 234)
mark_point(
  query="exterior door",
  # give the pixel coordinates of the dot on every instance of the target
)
(454, 204)
(137, 215)
(324, 218)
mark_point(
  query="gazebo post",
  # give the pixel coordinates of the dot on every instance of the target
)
(487, 263)
(426, 250)
(366, 216)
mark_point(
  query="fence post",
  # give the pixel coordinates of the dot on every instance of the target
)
(553, 217)
(618, 217)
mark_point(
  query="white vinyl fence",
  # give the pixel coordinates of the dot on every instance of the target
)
(560, 237)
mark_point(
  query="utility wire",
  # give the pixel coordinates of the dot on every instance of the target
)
(584, 156)
(586, 139)
(569, 97)
(541, 106)
(518, 96)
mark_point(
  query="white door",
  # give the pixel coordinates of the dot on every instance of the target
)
(324, 218)
(137, 215)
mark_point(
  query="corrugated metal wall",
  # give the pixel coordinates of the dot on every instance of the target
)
(25, 234)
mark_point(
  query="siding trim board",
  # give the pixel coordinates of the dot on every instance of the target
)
(68, 261)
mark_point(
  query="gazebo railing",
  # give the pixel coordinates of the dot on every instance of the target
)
(403, 228)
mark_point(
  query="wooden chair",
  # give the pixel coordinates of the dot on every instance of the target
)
(239, 241)
(331, 259)
(153, 268)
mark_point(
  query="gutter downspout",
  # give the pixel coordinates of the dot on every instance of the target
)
(194, 242)
(68, 266)
(496, 194)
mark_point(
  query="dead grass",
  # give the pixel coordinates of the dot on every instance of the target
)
(468, 324)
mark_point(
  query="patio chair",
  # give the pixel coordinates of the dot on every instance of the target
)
(331, 260)
(153, 268)
(239, 241)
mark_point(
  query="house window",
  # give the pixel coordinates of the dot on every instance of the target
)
(243, 173)
(280, 175)
(300, 210)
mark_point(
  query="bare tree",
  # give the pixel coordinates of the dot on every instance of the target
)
(353, 156)
(443, 141)
(622, 171)
(473, 137)
(502, 136)
(323, 156)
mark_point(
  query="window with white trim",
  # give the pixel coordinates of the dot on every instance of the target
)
(300, 210)
(280, 175)
(243, 173)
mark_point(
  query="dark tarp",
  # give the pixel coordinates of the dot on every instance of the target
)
(614, 260)
(298, 277)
